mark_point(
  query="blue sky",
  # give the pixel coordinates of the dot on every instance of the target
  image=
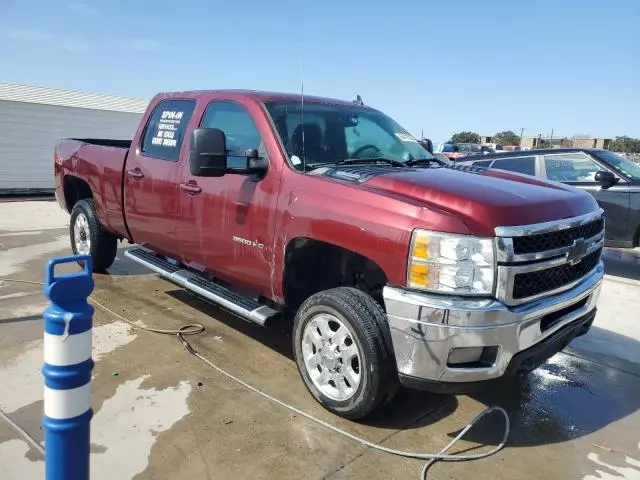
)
(568, 65)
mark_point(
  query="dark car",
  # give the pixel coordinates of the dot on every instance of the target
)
(613, 180)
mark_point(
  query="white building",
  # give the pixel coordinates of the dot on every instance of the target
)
(33, 118)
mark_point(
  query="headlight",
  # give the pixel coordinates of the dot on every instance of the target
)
(448, 263)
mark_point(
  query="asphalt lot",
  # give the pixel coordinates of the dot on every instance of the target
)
(162, 414)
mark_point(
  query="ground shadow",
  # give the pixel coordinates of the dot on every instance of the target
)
(124, 266)
(409, 409)
(277, 337)
(412, 409)
(570, 396)
(623, 263)
(609, 348)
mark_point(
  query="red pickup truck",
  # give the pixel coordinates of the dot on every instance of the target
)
(392, 267)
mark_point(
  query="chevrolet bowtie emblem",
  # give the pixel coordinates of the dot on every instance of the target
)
(577, 251)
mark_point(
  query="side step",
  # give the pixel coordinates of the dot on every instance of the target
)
(240, 305)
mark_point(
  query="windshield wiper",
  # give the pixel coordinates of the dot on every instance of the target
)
(356, 161)
(421, 161)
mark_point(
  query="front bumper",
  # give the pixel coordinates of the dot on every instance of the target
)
(425, 328)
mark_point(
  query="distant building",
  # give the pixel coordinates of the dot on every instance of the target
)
(559, 142)
(591, 142)
(536, 142)
(33, 118)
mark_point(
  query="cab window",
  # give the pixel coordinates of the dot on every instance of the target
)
(239, 129)
(164, 133)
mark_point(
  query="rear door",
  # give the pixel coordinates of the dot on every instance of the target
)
(578, 169)
(150, 177)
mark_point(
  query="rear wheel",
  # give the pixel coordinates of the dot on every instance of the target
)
(343, 352)
(89, 238)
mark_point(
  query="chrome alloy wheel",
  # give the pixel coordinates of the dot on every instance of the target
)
(331, 357)
(81, 235)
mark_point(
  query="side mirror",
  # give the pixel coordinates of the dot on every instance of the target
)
(606, 178)
(427, 144)
(208, 154)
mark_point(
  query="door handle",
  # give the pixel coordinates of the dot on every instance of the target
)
(136, 174)
(190, 188)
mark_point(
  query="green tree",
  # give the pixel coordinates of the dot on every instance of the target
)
(625, 144)
(543, 143)
(465, 137)
(506, 138)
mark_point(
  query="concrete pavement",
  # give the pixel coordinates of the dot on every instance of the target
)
(160, 413)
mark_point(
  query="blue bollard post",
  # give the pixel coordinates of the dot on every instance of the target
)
(67, 371)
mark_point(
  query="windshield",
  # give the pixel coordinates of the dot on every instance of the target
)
(331, 133)
(624, 167)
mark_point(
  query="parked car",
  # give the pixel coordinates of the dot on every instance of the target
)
(613, 180)
(395, 269)
(491, 148)
(456, 151)
(470, 149)
(449, 150)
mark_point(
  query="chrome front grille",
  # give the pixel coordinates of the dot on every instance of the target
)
(534, 283)
(543, 259)
(552, 240)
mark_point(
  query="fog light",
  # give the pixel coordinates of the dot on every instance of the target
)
(472, 357)
(464, 355)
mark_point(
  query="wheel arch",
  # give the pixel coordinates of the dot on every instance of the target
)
(75, 189)
(313, 265)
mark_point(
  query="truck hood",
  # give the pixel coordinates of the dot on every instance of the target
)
(483, 199)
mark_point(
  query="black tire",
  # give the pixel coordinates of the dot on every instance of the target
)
(103, 245)
(367, 323)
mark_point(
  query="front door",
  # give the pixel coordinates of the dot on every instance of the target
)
(227, 223)
(579, 170)
(151, 170)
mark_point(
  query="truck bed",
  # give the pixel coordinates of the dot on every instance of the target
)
(104, 142)
(99, 163)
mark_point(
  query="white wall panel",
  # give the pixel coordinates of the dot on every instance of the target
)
(28, 133)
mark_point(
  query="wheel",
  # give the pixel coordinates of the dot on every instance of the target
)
(342, 346)
(89, 238)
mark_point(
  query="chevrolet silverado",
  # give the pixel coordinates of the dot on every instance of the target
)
(393, 268)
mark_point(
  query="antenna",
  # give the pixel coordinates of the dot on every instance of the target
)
(304, 157)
